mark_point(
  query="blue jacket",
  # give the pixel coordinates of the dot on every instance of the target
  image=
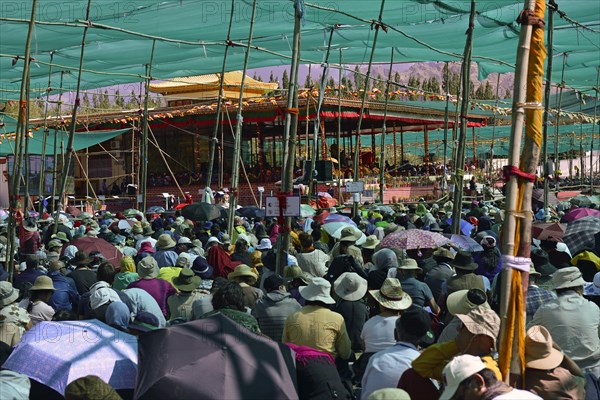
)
(65, 297)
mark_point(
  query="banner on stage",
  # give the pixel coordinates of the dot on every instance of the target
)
(355, 187)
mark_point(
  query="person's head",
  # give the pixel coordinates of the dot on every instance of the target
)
(106, 272)
(241, 246)
(65, 315)
(568, 279)
(467, 378)
(243, 273)
(306, 240)
(90, 387)
(274, 282)
(218, 282)
(32, 262)
(42, 289)
(56, 265)
(229, 295)
(127, 264)
(478, 331)
(412, 326)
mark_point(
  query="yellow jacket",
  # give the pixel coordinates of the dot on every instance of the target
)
(433, 359)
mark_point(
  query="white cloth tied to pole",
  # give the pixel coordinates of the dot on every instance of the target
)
(520, 263)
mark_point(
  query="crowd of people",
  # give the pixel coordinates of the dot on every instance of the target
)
(365, 320)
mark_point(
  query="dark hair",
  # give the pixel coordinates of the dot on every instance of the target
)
(65, 315)
(316, 231)
(32, 261)
(36, 295)
(106, 272)
(218, 283)
(306, 240)
(489, 378)
(230, 295)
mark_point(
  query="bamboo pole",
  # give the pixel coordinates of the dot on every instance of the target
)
(384, 131)
(459, 171)
(144, 149)
(54, 159)
(27, 204)
(517, 226)
(20, 131)
(237, 148)
(317, 123)
(69, 156)
(494, 133)
(446, 118)
(213, 139)
(356, 175)
(45, 131)
(550, 40)
(339, 131)
(290, 133)
(597, 89)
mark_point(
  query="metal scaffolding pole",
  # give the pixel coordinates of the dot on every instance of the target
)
(144, 157)
(384, 131)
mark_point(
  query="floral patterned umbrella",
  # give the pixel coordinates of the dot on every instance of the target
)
(414, 239)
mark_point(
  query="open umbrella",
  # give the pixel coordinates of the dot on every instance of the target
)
(213, 358)
(552, 231)
(333, 227)
(251, 212)
(88, 244)
(464, 242)
(155, 210)
(582, 200)
(465, 226)
(338, 218)
(57, 353)
(307, 211)
(73, 211)
(337, 233)
(414, 239)
(580, 234)
(201, 212)
(580, 213)
(538, 195)
(132, 212)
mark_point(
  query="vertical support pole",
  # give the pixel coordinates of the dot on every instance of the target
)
(144, 149)
(550, 46)
(446, 117)
(459, 171)
(237, 147)
(41, 185)
(339, 131)
(384, 131)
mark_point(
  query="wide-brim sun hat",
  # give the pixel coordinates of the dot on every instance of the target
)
(187, 281)
(318, 289)
(569, 277)
(464, 260)
(243, 270)
(350, 286)
(42, 282)
(371, 242)
(409, 264)
(8, 294)
(165, 241)
(463, 301)
(350, 234)
(482, 321)
(539, 351)
(391, 295)
(264, 244)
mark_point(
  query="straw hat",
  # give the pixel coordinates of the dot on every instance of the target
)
(349, 234)
(463, 301)
(187, 281)
(371, 242)
(243, 270)
(350, 286)
(443, 252)
(8, 294)
(391, 295)
(165, 241)
(569, 277)
(42, 282)
(409, 264)
(539, 353)
(148, 268)
(318, 289)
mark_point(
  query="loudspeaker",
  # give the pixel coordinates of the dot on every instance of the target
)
(131, 190)
(324, 170)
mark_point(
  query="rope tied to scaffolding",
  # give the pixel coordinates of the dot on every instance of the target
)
(528, 17)
(508, 171)
(376, 24)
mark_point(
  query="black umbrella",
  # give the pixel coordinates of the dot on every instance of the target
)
(201, 212)
(251, 212)
(213, 358)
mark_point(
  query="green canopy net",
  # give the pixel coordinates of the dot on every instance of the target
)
(190, 37)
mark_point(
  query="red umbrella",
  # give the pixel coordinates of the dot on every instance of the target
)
(89, 244)
(74, 211)
(580, 213)
(320, 217)
(552, 231)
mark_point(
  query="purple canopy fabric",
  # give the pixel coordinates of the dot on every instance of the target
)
(213, 358)
(57, 353)
(465, 226)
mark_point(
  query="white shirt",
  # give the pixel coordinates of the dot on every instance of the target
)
(378, 333)
(574, 324)
(386, 367)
